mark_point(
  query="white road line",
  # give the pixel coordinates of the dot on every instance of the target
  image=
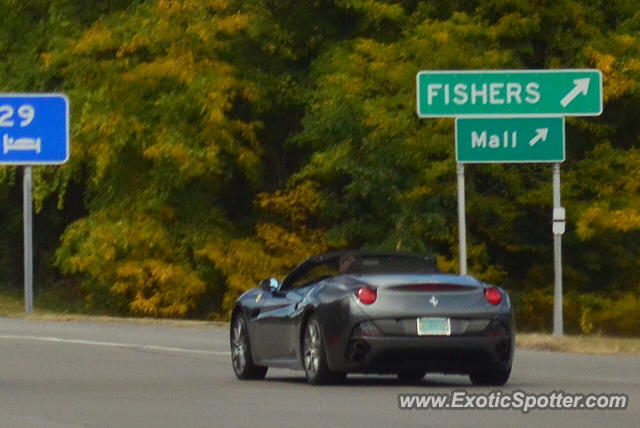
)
(113, 344)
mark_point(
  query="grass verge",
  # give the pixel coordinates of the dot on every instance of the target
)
(49, 306)
(600, 345)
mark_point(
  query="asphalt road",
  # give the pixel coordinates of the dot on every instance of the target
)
(81, 374)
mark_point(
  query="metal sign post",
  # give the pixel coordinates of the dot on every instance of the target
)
(462, 222)
(558, 230)
(27, 206)
(34, 130)
(511, 116)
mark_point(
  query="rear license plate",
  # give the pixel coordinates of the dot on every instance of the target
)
(434, 327)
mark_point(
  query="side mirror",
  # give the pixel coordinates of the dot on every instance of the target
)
(271, 285)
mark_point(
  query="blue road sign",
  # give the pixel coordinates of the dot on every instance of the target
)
(34, 129)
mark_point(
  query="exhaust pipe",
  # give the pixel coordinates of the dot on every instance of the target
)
(358, 351)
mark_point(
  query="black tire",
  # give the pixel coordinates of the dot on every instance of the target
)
(241, 359)
(411, 375)
(494, 377)
(314, 355)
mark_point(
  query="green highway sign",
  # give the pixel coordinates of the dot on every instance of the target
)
(533, 93)
(519, 139)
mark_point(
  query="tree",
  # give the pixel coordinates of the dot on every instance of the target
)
(388, 178)
(216, 143)
(160, 144)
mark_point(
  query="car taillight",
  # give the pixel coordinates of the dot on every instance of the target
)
(493, 295)
(367, 295)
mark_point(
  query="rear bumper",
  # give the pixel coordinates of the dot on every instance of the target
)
(474, 343)
(448, 354)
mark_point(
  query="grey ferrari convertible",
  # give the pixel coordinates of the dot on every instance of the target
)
(359, 312)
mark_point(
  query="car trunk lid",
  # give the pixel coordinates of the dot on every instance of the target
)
(428, 295)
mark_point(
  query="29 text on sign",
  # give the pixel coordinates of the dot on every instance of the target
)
(34, 129)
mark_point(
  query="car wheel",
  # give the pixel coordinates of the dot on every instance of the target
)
(314, 357)
(241, 359)
(495, 377)
(411, 375)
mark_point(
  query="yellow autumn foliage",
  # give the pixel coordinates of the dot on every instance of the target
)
(151, 285)
(274, 249)
(185, 112)
(598, 218)
(617, 82)
(613, 177)
(298, 204)
(586, 313)
(134, 263)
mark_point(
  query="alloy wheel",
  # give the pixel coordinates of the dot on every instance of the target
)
(312, 348)
(239, 346)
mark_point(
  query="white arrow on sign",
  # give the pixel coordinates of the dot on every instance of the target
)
(541, 134)
(581, 87)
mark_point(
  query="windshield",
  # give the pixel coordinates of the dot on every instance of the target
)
(371, 264)
(317, 268)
